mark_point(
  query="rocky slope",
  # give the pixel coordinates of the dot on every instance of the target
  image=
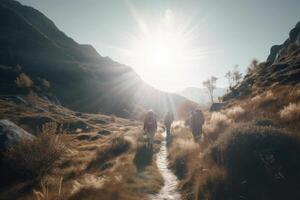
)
(79, 77)
(282, 68)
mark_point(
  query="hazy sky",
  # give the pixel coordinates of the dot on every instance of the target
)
(196, 38)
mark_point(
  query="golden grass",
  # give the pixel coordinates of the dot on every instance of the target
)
(290, 112)
(235, 113)
(35, 158)
(215, 125)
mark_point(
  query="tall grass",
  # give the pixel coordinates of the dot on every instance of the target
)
(290, 112)
(246, 162)
(216, 125)
(34, 158)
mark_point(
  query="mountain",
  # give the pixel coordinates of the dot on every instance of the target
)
(282, 68)
(271, 89)
(79, 76)
(200, 95)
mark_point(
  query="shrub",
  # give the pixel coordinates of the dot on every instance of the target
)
(217, 123)
(263, 122)
(290, 112)
(116, 147)
(34, 158)
(264, 99)
(260, 163)
(235, 112)
(180, 152)
(24, 81)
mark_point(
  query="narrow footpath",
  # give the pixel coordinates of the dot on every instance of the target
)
(169, 190)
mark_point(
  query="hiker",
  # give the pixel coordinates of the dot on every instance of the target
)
(169, 118)
(197, 121)
(150, 127)
(187, 121)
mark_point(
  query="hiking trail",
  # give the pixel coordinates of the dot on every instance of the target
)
(169, 190)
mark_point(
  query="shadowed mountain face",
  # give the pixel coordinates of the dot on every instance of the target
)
(81, 78)
(282, 68)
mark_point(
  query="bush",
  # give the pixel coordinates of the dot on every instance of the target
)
(180, 152)
(235, 112)
(290, 112)
(263, 122)
(260, 163)
(217, 123)
(116, 147)
(24, 81)
(34, 158)
(263, 100)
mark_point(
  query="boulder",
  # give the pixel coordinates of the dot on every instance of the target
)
(104, 132)
(11, 134)
(217, 106)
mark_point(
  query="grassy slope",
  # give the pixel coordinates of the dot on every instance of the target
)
(258, 127)
(98, 161)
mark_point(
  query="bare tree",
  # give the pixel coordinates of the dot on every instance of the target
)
(210, 84)
(228, 75)
(253, 66)
(236, 75)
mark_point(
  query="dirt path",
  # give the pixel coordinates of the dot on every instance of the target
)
(169, 190)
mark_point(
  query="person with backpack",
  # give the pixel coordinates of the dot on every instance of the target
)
(197, 121)
(150, 127)
(169, 118)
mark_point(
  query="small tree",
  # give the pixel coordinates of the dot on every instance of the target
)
(228, 75)
(210, 84)
(253, 66)
(236, 75)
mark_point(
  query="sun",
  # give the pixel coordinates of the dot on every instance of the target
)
(159, 53)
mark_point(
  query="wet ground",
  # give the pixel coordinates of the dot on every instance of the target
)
(169, 190)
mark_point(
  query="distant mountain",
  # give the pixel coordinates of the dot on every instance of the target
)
(79, 77)
(200, 95)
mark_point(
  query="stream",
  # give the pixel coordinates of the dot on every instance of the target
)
(169, 190)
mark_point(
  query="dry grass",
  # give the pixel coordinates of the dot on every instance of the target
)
(216, 125)
(236, 162)
(235, 113)
(181, 152)
(115, 147)
(34, 158)
(290, 112)
(24, 81)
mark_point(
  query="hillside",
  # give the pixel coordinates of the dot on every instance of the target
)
(250, 147)
(72, 155)
(282, 68)
(80, 78)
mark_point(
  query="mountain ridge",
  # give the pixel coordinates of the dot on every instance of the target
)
(79, 76)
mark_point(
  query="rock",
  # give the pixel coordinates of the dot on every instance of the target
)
(217, 106)
(11, 134)
(88, 137)
(78, 114)
(15, 99)
(84, 137)
(273, 53)
(35, 123)
(294, 33)
(104, 132)
(99, 121)
(73, 126)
